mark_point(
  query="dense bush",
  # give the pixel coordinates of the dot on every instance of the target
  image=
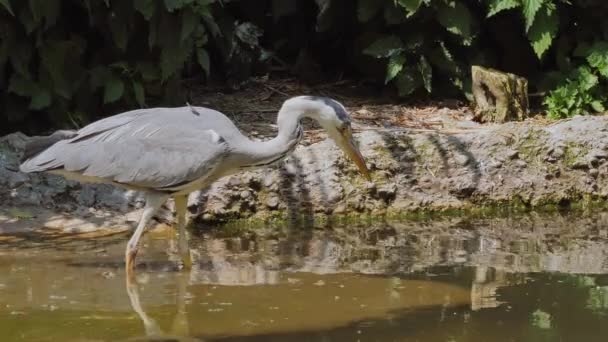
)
(65, 61)
(69, 58)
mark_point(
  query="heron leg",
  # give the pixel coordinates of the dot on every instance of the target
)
(181, 208)
(153, 203)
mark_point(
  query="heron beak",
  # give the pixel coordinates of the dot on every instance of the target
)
(350, 148)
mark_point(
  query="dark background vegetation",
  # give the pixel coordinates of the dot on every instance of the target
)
(64, 63)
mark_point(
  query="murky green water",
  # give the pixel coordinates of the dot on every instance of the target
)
(531, 279)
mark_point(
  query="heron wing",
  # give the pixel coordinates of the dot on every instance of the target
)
(152, 151)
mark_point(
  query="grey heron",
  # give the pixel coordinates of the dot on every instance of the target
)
(171, 152)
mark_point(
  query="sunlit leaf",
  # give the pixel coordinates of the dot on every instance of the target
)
(543, 30)
(530, 9)
(598, 106)
(394, 66)
(385, 47)
(585, 78)
(497, 6)
(426, 71)
(598, 57)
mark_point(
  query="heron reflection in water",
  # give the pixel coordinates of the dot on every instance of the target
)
(171, 152)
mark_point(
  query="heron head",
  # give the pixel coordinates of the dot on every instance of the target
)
(334, 118)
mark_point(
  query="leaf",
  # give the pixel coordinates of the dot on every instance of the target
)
(171, 60)
(21, 86)
(40, 99)
(598, 106)
(61, 60)
(7, 6)
(113, 90)
(457, 19)
(367, 9)
(27, 20)
(20, 57)
(443, 59)
(145, 7)
(426, 71)
(411, 6)
(172, 5)
(189, 22)
(385, 47)
(393, 14)
(585, 79)
(497, 6)
(530, 9)
(45, 9)
(203, 60)
(543, 31)
(140, 95)
(407, 81)
(98, 76)
(394, 67)
(148, 71)
(598, 58)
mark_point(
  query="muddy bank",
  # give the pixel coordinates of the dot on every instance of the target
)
(515, 165)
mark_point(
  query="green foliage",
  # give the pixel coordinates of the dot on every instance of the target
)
(580, 94)
(68, 56)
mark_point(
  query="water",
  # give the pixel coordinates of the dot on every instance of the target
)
(528, 279)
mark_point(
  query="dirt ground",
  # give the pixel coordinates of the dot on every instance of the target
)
(254, 107)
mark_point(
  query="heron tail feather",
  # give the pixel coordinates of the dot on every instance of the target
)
(39, 144)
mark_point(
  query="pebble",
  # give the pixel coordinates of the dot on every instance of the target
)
(272, 202)
(594, 172)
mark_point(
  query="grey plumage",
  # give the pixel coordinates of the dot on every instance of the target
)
(151, 148)
(39, 144)
(173, 151)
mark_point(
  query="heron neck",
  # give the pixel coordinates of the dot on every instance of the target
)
(264, 153)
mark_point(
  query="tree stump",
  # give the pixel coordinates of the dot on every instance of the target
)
(499, 96)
